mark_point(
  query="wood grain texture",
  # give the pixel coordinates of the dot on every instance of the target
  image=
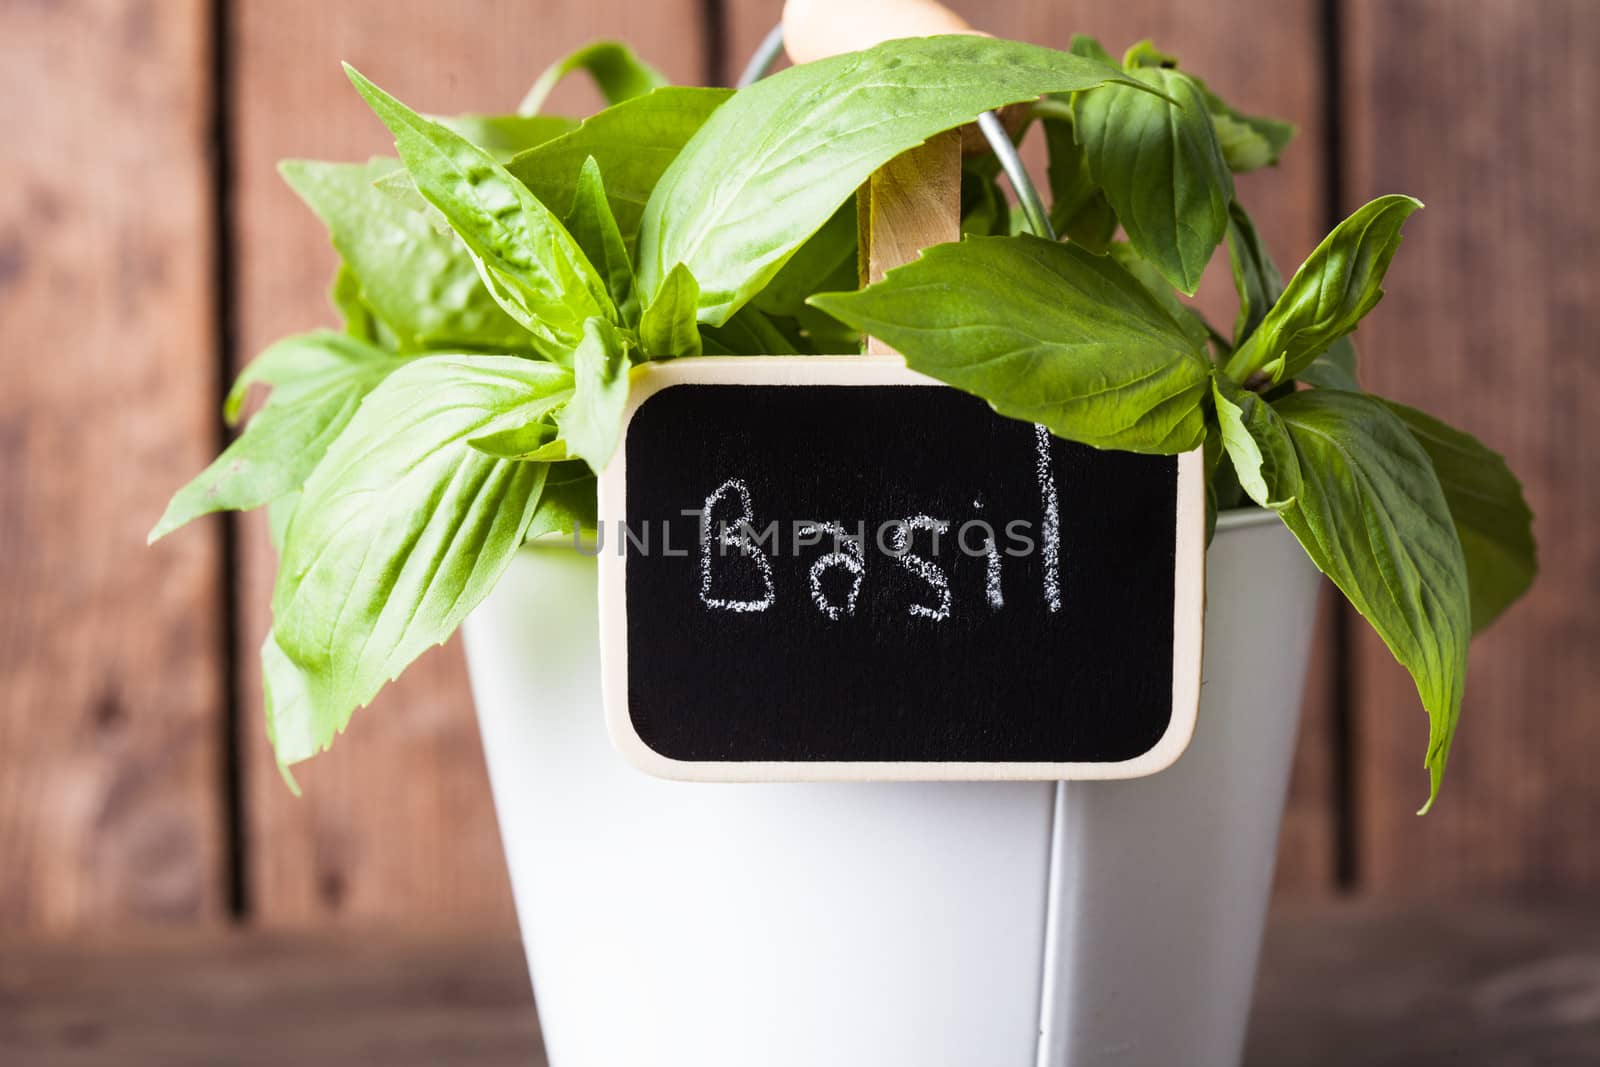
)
(111, 679)
(267, 999)
(1308, 845)
(1487, 111)
(912, 202)
(1395, 984)
(396, 823)
(1373, 985)
(1265, 56)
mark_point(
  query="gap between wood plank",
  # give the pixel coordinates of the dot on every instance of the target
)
(235, 858)
(714, 30)
(1342, 728)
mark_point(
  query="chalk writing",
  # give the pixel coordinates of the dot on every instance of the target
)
(847, 554)
(1050, 531)
(923, 568)
(734, 535)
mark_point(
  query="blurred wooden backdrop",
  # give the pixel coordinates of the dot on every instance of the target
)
(148, 249)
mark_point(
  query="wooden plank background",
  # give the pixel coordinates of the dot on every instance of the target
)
(1487, 111)
(148, 249)
(112, 685)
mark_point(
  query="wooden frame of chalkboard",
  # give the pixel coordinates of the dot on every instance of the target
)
(705, 740)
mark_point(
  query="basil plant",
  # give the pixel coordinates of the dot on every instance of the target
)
(499, 280)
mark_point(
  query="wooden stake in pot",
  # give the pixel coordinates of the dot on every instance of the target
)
(908, 205)
(915, 200)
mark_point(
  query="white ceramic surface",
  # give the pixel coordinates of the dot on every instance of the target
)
(673, 924)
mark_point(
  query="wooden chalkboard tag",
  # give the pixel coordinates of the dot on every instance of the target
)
(832, 567)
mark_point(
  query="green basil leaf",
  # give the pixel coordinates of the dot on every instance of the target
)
(1079, 209)
(1183, 316)
(401, 530)
(528, 261)
(1334, 369)
(750, 332)
(1083, 45)
(617, 72)
(775, 162)
(984, 211)
(420, 284)
(320, 380)
(503, 136)
(569, 502)
(1255, 276)
(1491, 517)
(1045, 332)
(592, 420)
(279, 511)
(633, 142)
(1145, 54)
(668, 326)
(594, 227)
(400, 189)
(293, 725)
(1258, 443)
(354, 311)
(554, 452)
(1334, 288)
(816, 261)
(1157, 158)
(1223, 491)
(821, 332)
(1371, 514)
(304, 366)
(1211, 452)
(1248, 142)
(530, 441)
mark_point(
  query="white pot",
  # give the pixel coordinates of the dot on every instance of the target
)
(671, 924)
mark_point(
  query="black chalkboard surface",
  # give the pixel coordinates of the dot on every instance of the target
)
(828, 567)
